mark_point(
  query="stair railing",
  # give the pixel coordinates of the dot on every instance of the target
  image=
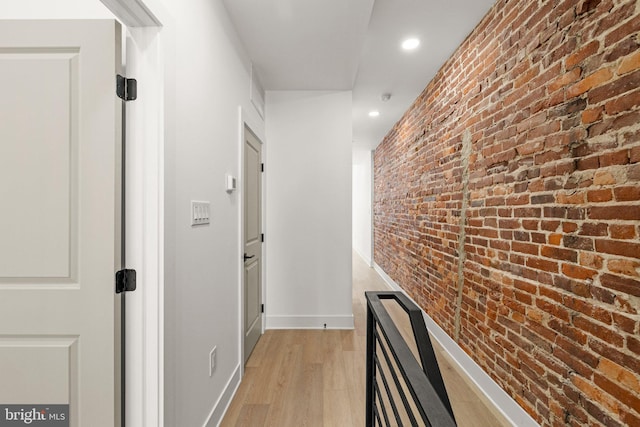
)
(399, 390)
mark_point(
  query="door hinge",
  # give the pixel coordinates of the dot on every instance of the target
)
(261, 167)
(126, 89)
(125, 281)
(262, 237)
(262, 308)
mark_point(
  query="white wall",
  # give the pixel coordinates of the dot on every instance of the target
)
(209, 77)
(59, 9)
(308, 209)
(362, 192)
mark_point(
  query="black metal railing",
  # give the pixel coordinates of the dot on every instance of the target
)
(400, 390)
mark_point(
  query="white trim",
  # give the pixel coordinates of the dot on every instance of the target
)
(492, 391)
(364, 257)
(257, 127)
(145, 229)
(132, 13)
(240, 195)
(220, 408)
(145, 384)
(310, 322)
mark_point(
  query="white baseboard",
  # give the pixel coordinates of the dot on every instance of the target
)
(492, 391)
(366, 258)
(221, 406)
(310, 322)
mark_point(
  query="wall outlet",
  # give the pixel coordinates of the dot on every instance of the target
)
(212, 361)
(200, 212)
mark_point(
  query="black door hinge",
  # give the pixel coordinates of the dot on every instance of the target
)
(125, 281)
(262, 308)
(262, 237)
(126, 89)
(261, 167)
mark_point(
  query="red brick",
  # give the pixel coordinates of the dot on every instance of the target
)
(613, 124)
(594, 229)
(634, 345)
(591, 260)
(575, 242)
(555, 239)
(625, 194)
(622, 31)
(604, 333)
(559, 253)
(550, 225)
(584, 52)
(631, 63)
(625, 267)
(586, 6)
(530, 147)
(629, 419)
(599, 196)
(619, 231)
(594, 80)
(622, 284)
(526, 248)
(627, 249)
(630, 361)
(615, 158)
(620, 50)
(626, 212)
(617, 87)
(624, 396)
(580, 305)
(565, 79)
(592, 162)
(542, 264)
(578, 354)
(577, 272)
(592, 115)
(625, 102)
(624, 323)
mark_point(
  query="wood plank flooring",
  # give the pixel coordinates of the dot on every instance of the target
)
(314, 378)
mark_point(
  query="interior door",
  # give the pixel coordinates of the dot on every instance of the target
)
(252, 242)
(60, 141)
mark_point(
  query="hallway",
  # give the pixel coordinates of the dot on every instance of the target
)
(317, 378)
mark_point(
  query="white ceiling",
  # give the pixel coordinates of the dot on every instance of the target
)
(354, 45)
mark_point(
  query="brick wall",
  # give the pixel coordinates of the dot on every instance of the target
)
(507, 203)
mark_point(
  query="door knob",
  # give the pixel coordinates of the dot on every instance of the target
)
(248, 257)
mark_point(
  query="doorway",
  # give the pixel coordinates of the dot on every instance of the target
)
(252, 242)
(145, 147)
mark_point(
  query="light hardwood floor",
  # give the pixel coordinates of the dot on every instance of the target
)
(317, 377)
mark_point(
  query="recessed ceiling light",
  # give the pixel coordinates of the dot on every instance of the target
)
(374, 113)
(410, 44)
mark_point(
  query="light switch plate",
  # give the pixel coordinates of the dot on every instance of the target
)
(200, 212)
(230, 182)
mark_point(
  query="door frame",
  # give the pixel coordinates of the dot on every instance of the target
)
(157, 117)
(145, 20)
(257, 127)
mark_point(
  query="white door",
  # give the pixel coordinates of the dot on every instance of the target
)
(252, 242)
(60, 135)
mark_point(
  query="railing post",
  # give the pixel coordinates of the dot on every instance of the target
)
(369, 420)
